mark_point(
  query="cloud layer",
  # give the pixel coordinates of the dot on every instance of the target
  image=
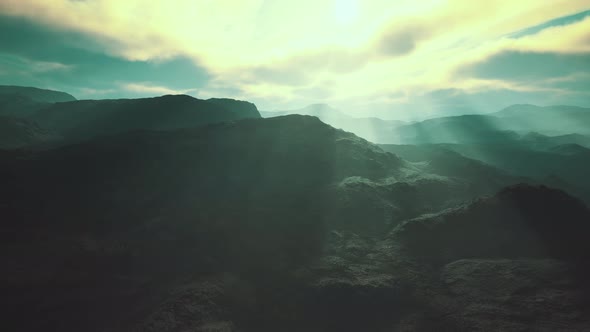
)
(359, 55)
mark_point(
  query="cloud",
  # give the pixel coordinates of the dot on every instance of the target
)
(286, 53)
(560, 21)
(528, 66)
(227, 33)
(91, 93)
(44, 66)
(66, 60)
(401, 41)
(146, 88)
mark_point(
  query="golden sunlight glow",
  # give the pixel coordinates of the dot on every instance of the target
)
(346, 11)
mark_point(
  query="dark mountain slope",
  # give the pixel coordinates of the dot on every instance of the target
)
(520, 221)
(235, 226)
(74, 120)
(552, 125)
(88, 118)
(570, 150)
(504, 127)
(456, 129)
(480, 178)
(18, 133)
(373, 129)
(36, 94)
(262, 174)
(105, 220)
(242, 109)
(543, 142)
(549, 120)
(511, 262)
(568, 164)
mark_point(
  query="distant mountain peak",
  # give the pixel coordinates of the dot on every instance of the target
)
(531, 107)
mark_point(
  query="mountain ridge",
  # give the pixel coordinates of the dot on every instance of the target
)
(175, 213)
(36, 94)
(83, 119)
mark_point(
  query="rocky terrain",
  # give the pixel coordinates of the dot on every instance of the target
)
(202, 216)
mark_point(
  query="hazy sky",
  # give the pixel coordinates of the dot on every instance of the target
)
(387, 58)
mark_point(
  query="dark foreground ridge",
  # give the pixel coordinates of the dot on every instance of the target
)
(177, 214)
(519, 222)
(177, 230)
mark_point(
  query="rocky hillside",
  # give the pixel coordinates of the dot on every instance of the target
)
(278, 224)
(520, 221)
(246, 198)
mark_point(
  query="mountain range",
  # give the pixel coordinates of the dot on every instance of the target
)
(371, 128)
(507, 125)
(180, 214)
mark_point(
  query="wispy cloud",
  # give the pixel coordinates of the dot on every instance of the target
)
(43, 66)
(150, 89)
